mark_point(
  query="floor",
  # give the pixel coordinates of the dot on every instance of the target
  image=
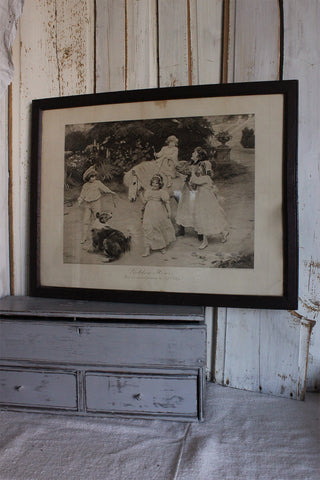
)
(245, 436)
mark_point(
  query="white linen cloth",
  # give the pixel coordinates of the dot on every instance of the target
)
(245, 436)
(10, 11)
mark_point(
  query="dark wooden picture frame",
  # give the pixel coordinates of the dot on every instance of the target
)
(216, 226)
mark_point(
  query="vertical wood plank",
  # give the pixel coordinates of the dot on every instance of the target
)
(301, 61)
(256, 47)
(142, 68)
(126, 39)
(174, 46)
(4, 231)
(206, 40)
(306, 327)
(110, 45)
(55, 58)
(220, 345)
(242, 349)
(279, 353)
(75, 47)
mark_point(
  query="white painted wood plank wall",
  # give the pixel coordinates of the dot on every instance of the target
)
(302, 61)
(4, 219)
(147, 43)
(54, 55)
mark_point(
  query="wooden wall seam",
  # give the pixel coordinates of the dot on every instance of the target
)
(10, 192)
(225, 41)
(281, 39)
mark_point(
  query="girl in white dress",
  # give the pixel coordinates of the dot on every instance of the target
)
(157, 226)
(209, 218)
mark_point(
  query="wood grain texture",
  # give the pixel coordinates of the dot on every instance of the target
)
(4, 178)
(206, 40)
(220, 345)
(38, 388)
(126, 40)
(161, 394)
(301, 61)
(256, 41)
(279, 353)
(142, 67)
(15, 306)
(174, 46)
(110, 45)
(241, 363)
(53, 59)
(75, 46)
(125, 344)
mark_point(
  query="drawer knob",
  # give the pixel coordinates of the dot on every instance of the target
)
(138, 396)
(18, 388)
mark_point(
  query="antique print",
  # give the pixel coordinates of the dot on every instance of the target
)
(171, 195)
(161, 192)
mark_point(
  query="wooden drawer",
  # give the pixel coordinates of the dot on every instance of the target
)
(103, 344)
(138, 394)
(36, 389)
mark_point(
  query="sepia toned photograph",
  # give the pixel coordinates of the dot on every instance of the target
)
(180, 195)
(174, 192)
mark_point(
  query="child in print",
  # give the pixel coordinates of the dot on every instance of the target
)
(185, 211)
(157, 227)
(209, 216)
(90, 199)
(167, 158)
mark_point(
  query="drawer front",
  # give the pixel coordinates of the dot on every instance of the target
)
(107, 344)
(38, 389)
(156, 394)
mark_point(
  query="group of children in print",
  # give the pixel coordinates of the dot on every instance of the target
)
(198, 207)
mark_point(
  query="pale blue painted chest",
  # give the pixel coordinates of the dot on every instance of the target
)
(95, 358)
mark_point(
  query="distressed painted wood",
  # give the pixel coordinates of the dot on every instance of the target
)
(174, 43)
(137, 368)
(206, 41)
(53, 307)
(126, 43)
(301, 61)
(38, 389)
(256, 41)
(56, 58)
(114, 344)
(219, 346)
(165, 394)
(110, 45)
(257, 349)
(142, 68)
(4, 178)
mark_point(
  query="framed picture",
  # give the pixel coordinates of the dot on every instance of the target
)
(182, 195)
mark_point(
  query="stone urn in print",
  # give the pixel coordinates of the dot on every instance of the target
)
(223, 150)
